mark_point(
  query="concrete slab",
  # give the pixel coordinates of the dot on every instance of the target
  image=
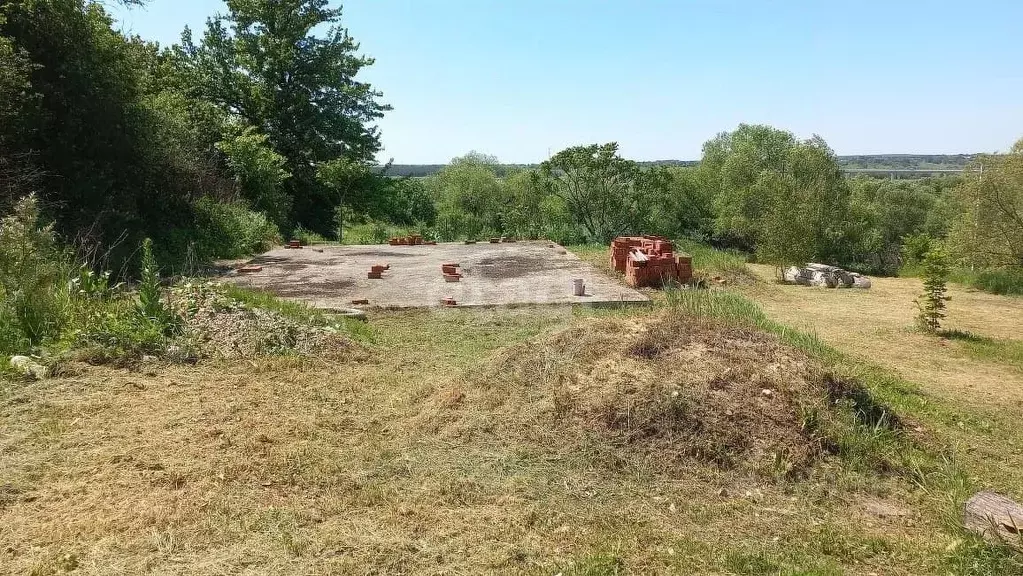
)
(532, 272)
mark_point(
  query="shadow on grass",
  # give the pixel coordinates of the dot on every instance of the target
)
(964, 335)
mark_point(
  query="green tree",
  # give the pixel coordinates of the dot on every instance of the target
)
(885, 212)
(783, 198)
(602, 191)
(79, 92)
(931, 303)
(343, 178)
(469, 197)
(736, 162)
(989, 231)
(260, 173)
(265, 63)
(681, 200)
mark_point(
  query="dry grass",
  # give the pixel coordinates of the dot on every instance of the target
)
(878, 324)
(442, 451)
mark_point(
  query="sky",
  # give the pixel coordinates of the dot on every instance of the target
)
(522, 79)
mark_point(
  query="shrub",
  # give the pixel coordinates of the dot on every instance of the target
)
(307, 237)
(231, 230)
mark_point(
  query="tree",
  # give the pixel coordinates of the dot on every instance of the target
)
(83, 126)
(681, 201)
(260, 172)
(264, 64)
(932, 302)
(783, 198)
(342, 177)
(601, 190)
(737, 161)
(469, 197)
(989, 231)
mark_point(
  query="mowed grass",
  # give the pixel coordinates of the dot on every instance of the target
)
(448, 444)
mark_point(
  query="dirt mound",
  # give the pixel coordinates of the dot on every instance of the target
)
(668, 388)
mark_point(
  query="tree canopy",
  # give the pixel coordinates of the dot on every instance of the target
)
(265, 65)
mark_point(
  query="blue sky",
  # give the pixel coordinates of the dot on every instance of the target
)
(519, 78)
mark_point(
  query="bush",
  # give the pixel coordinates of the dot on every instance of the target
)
(231, 230)
(307, 237)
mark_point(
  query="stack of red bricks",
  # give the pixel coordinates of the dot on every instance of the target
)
(410, 240)
(650, 261)
(376, 271)
(451, 271)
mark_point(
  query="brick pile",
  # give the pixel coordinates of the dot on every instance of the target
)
(649, 261)
(410, 240)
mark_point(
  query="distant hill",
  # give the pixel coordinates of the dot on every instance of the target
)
(856, 162)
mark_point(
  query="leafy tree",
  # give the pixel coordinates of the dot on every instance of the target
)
(342, 178)
(265, 64)
(783, 198)
(469, 197)
(736, 162)
(410, 203)
(885, 212)
(260, 172)
(681, 202)
(989, 231)
(83, 124)
(602, 190)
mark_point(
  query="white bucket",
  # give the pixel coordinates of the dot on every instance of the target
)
(578, 287)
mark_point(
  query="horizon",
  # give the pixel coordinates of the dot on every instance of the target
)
(926, 79)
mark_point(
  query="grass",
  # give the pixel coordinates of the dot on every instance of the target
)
(1006, 281)
(728, 264)
(504, 441)
(1009, 352)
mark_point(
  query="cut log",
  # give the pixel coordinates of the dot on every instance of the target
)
(996, 518)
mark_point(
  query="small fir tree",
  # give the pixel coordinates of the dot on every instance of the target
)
(932, 302)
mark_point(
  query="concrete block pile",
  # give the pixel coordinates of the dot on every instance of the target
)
(650, 261)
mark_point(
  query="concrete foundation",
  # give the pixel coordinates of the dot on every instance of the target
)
(332, 277)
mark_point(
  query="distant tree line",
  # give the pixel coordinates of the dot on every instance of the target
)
(756, 189)
(862, 162)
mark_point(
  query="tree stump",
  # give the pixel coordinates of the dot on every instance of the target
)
(996, 518)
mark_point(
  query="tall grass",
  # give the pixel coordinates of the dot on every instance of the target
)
(734, 308)
(1007, 281)
(712, 261)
